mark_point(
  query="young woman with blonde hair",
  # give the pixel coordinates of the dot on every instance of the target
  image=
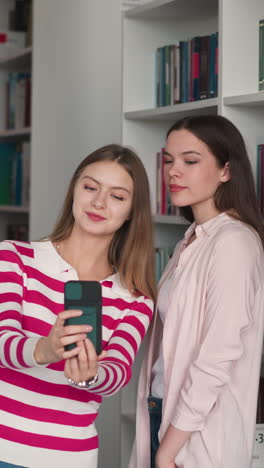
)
(50, 397)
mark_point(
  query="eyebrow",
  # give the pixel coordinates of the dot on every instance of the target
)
(96, 181)
(184, 153)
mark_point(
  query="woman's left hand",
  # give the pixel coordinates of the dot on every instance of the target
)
(84, 366)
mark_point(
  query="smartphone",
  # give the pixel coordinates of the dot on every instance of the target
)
(85, 296)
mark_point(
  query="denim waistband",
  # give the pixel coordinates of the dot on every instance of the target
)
(154, 405)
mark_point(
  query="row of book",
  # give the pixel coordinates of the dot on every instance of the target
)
(163, 202)
(17, 232)
(261, 55)
(14, 173)
(18, 100)
(20, 19)
(260, 176)
(187, 71)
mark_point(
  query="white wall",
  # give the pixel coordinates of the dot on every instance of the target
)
(76, 108)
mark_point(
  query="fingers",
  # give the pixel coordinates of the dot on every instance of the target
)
(84, 365)
(87, 361)
(102, 355)
(72, 339)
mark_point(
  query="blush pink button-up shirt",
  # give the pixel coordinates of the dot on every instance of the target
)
(212, 347)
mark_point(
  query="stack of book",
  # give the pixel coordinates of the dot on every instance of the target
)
(187, 71)
(14, 173)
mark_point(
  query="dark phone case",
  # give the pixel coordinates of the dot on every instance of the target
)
(85, 296)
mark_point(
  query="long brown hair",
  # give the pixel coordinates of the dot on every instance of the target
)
(237, 196)
(131, 250)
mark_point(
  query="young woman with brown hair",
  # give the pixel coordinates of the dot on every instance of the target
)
(201, 370)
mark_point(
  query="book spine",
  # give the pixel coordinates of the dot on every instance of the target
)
(195, 68)
(261, 55)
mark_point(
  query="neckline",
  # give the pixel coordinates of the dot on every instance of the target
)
(67, 266)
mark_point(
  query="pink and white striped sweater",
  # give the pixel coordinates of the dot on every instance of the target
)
(43, 420)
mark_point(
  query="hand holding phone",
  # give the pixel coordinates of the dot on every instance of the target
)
(85, 296)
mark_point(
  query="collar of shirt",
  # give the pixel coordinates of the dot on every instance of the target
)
(204, 229)
(49, 261)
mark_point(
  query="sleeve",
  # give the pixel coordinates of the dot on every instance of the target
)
(16, 348)
(233, 281)
(114, 372)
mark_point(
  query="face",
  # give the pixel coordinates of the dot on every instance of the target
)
(102, 199)
(192, 174)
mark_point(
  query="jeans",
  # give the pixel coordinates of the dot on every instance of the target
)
(155, 412)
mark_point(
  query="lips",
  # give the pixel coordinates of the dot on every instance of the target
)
(176, 188)
(94, 216)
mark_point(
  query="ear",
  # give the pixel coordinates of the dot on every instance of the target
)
(225, 176)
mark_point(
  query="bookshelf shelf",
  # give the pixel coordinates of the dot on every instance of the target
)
(206, 106)
(15, 133)
(21, 60)
(167, 219)
(14, 209)
(129, 417)
(250, 100)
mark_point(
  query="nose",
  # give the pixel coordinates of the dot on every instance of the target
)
(99, 201)
(175, 170)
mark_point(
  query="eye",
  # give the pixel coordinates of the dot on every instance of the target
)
(168, 161)
(189, 162)
(116, 197)
(88, 187)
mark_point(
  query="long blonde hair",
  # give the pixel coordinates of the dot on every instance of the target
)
(131, 251)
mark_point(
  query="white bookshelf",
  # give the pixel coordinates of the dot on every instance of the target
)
(19, 62)
(156, 24)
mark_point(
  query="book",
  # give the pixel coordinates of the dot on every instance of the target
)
(261, 55)
(17, 232)
(7, 152)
